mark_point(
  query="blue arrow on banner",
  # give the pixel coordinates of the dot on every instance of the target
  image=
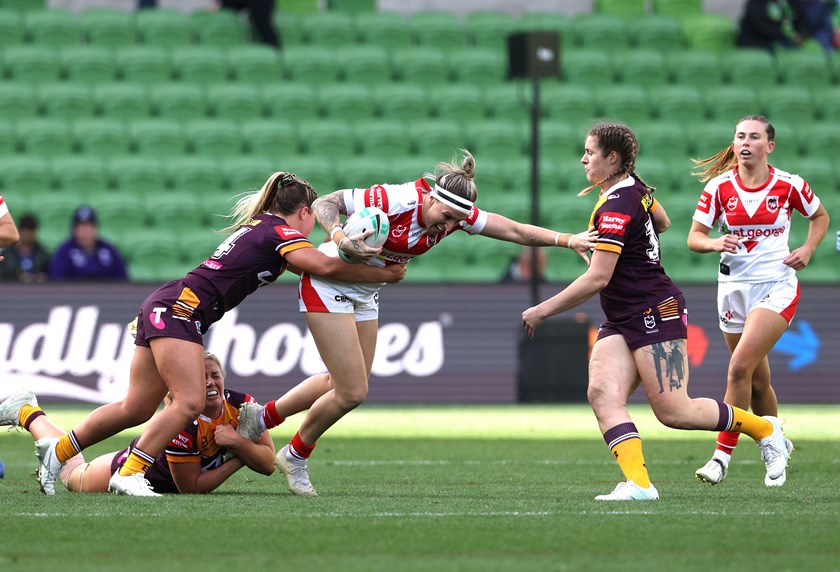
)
(803, 345)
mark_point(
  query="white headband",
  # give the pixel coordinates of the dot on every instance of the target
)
(452, 200)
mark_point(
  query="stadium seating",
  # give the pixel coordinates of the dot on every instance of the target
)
(12, 30)
(215, 138)
(658, 32)
(750, 67)
(32, 64)
(550, 21)
(573, 103)
(440, 30)
(125, 101)
(8, 141)
(274, 136)
(622, 8)
(626, 103)
(437, 140)
(220, 28)
(696, 68)
(460, 103)
(45, 137)
(383, 139)
(18, 101)
(731, 103)
(478, 66)
(87, 64)
(509, 102)
(328, 138)
(791, 103)
(179, 101)
(707, 31)
(237, 101)
(108, 27)
(138, 174)
(314, 65)
(83, 173)
(55, 28)
(144, 65)
(254, 64)
(328, 29)
(601, 31)
(678, 103)
(420, 65)
(407, 102)
(67, 101)
(101, 137)
(195, 174)
(200, 65)
(163, 27)
(804, 68)
(591, 67)
(678, 8)
(642, 67)
(387, 30)
(347, 101)
(290, 102)
(158, 138)
(490, 29)
(365, 64)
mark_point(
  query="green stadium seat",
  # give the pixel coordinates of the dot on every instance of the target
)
(549, 21)
(69, 101)
(820, 138)
(490, 28)
(12, 30)
(389, 30)
(558, 138)
(321, 174)
(799, 67)
(298, 7)
(8, 138)
(553, 178)
(200, 65)
(26, 175)
(731, 103)
(56, 28)
(289, 28)
(311, 64)
(478, 66)
(112, 208)
(328, 138)
(198, 244)
(460, 102)
(790, 103)
(214, 138)
(108, 27)
(254, 64)
(750, 67)
(652, 169)
(290, 101)
(359, 172)
(219, 28)
(55, 215)
(574, 103)
(420, 65)
(587, 67)
(179, 101)
(679, 103)
(788, 148)
(45, 137)
(821, 175)
(328, 29)
(626, 103)
(164, 28)
(508, 102)
(642, 67)
(123, 101)
(18, 101)
(88, 64)
(497, 139)
(438, 29)
(712, 136)
(276, 137)
(658, 32)
(236, 101)
(177, 210)
(368, 64)
(827, 101)
(146, 65)
(352, 6)
(32, 64)
(709, 31)
(662, 138)
(622, 8)
(437, 140)
(194, 174)
(678, 8)
(101, 137)
(407, 102)
(247, 173)
(383, 138)
(138, 175)
(601, 31)
(158, 138)
(411, 168)
(82, 173)
(347, 101)
(696, 68)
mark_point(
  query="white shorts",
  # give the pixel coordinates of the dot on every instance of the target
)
(737, 299)
(325, 296)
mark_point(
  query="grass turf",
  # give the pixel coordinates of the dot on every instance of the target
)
(450, 488)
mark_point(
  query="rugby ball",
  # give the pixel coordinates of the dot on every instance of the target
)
(361, 221)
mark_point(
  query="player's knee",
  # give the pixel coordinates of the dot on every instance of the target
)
(350, 398)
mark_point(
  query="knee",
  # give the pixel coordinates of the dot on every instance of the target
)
(671, 418)
(739, 371)
(190, 407)
(352, 397)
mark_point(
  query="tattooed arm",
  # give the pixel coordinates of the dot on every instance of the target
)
(327, 211)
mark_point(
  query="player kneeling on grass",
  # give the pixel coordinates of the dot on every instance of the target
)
(199, 459)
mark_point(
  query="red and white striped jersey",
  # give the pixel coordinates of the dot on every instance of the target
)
(3, 207)
(761, 217)
(404, 204)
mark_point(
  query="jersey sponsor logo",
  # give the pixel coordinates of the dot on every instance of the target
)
(732, 203)
(807, 193)
(614, 196)
(156, 318)
(650, 322)
(398, 230)
(287, 231)
(211, 264)
(613, 223)
(705, 203)
(376, 197)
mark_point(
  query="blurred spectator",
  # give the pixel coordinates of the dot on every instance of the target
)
(819, 20)
(85, 256)
(27, 261)
(261, 15)
(767, 24)
(520, 268)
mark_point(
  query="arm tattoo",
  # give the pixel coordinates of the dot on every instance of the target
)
(327, 210)
(669, 362)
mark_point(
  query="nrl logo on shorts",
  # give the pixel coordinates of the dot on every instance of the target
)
(772, 204)
(650, 322)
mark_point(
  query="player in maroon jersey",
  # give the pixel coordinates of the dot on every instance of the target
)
(757, 286)
(267, 236)
(343, 318)
(199, 459)
(642, 342)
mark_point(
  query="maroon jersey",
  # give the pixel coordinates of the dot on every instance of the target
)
(251, 257)
(625, 226)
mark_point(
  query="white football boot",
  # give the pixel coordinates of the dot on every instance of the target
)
(712, 472)
(296, 473)
(777, 482)
(48, 464)
(250, 421)
(10, 407)
(775, 449)
(135, 485)
(630, 491)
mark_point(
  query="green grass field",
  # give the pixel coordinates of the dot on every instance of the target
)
(450, 489)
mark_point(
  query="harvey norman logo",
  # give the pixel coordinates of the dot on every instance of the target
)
(73, 343)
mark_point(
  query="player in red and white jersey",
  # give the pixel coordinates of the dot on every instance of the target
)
(267, 236)
(752, 203)
(9, 234)
(343, 318)
(198, 460)
(643, 340)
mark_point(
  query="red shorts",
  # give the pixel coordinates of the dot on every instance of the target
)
(664, 322)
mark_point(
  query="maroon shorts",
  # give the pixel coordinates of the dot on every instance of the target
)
(664, 322)
(171, 311)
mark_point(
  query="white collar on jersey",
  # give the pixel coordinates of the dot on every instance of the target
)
(452, 200)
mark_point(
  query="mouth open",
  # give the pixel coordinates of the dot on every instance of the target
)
(212, 393)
